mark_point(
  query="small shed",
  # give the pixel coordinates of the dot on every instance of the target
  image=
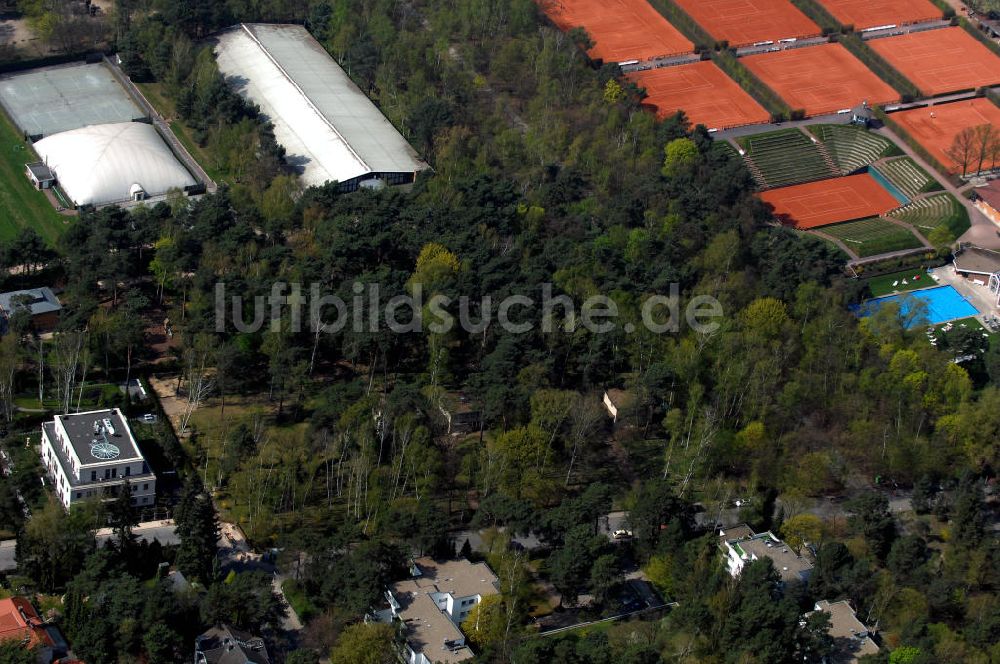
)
(862, 114)
(40, 175)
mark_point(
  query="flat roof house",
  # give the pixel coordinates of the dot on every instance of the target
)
(744, 548)
(851, 640)
(92, 455)
(331, 130)
(41, 303)
(433, 603)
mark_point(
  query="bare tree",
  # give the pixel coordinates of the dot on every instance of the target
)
(963, 148)
(993, 150)
(199, 373)
(66, 360)
(986, 137)
(584, 420)
(10, 359)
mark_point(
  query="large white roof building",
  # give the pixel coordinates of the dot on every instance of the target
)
(112, 163)
(330, 130)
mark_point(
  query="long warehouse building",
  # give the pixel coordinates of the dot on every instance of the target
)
(330, 130)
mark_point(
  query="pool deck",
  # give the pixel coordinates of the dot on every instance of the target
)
(979, 296)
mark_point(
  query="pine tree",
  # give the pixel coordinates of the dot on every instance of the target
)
(198, 529)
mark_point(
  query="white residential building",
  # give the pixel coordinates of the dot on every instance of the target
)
(746, 547)
(94, 454)
(851, 639)
(433, 604)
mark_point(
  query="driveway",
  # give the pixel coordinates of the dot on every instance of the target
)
(236, 554)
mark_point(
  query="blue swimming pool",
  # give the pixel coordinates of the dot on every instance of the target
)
(944, 303)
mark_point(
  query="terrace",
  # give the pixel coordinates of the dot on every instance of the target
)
(927, 214)
(853, 148)
(907, 176)
(871, 237)
(787, 157)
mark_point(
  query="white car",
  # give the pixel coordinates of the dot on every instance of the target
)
(621, 534)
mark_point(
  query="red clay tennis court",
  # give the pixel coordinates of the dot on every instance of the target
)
(864, 14)
(820, 79)
(745, 22)
(940, 61)
(621, 29)
(703, 92)
(935, 127)
(828, 202)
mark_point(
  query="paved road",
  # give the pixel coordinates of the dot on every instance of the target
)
(768, 48)
(662, 62)
(905, 29)
(944, 99)
(164, 531)
(7, 561)
(736, 132)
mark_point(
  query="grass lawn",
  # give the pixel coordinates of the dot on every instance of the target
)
(882, 285)
(21, 205)
(95, 395)
(870, 237)
(296, 596)
(154, 94)
(969, 322)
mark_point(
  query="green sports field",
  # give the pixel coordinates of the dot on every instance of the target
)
(21, 205)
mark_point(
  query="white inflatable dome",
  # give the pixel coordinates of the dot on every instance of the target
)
(105, 163)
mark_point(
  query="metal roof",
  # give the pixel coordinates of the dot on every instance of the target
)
(330, 130)
(37, 300)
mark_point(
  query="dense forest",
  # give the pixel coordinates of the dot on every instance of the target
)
(546, 176)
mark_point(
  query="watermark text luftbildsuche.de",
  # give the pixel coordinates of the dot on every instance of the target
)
(365, 310)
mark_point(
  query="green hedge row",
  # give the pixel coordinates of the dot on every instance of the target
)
(882, 69)
(703, 41)
(947, 11)
(757, 89)
(819, 15)
(979, 35)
